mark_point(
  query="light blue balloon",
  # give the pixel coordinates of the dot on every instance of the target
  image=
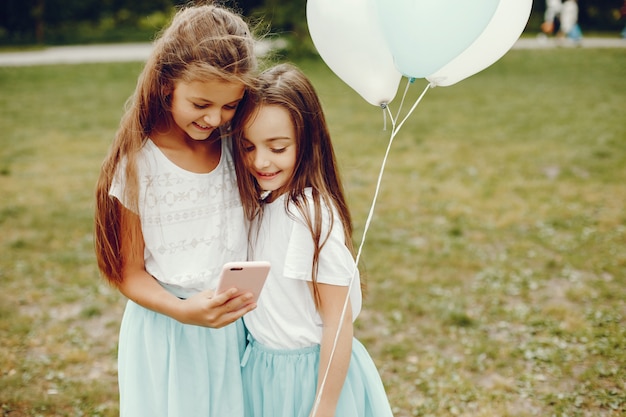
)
(424, 35)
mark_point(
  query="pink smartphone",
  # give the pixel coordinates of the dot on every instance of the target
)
(246, 276)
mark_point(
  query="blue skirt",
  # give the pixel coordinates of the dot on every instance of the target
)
(169, 369)
(283, 383)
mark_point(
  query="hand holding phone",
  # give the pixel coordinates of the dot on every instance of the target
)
(246, 276)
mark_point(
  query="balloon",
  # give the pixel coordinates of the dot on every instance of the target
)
(505, 28)
(348, 38)
(424, 35)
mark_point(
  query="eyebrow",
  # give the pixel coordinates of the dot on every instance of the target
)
(211, 101)
(273, 139)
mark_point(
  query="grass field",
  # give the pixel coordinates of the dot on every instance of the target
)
(495, 260)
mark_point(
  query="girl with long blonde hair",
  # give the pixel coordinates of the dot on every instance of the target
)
(168, 216)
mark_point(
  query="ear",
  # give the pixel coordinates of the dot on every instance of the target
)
(166, 92)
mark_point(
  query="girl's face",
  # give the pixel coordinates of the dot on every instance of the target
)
(270, 145)
(200, 107)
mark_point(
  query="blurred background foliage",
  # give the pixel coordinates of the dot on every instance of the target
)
(58, 22)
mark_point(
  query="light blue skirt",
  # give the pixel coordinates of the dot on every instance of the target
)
(282, 383)
(169, 369)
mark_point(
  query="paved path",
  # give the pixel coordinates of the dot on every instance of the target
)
(543, 42)
(77, 54)
(139, 51)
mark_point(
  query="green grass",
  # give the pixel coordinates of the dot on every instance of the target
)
(495, 259)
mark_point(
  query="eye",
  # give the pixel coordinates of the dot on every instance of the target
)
(247, 146)
(279, 150)
(231, 107)
(200, 106)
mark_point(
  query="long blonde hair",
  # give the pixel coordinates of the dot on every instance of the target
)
(206, 42)
(316, 167)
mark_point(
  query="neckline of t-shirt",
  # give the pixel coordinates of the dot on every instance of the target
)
(164, 157)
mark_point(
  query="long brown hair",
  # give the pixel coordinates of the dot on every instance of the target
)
(206, 42)
(316, 166)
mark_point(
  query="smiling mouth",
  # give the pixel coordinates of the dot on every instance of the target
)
(202, 127)
(266, 176)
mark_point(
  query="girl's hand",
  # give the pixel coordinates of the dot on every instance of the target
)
(215, 310)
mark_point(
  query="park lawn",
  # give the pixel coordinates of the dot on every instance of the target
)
(494, 261)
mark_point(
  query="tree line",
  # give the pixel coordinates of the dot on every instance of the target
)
(24, 22)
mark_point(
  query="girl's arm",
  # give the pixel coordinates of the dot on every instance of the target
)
(202, 309)
(333, 298)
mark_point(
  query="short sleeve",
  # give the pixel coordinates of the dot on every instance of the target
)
(118, 185)
(336, 265)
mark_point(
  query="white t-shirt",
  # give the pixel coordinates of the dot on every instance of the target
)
(286, 317)
(192, 223)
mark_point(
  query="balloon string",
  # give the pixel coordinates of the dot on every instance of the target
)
(396, 129)
(384, 118)
(370, 215)
(406, 89)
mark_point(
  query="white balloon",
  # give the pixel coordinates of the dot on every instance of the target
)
(505, 27)
(348, 37)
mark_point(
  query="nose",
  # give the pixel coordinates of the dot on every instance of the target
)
(213, 117)
(260, 160)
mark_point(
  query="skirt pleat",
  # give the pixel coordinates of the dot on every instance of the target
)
(169, 369)
(283, 383)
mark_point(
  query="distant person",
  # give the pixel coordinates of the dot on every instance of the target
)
(168, 216)
(300, 222)
(551, 20)
(569, 22)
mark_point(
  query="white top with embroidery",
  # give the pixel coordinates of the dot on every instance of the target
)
(192, 223)
(286, 317)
